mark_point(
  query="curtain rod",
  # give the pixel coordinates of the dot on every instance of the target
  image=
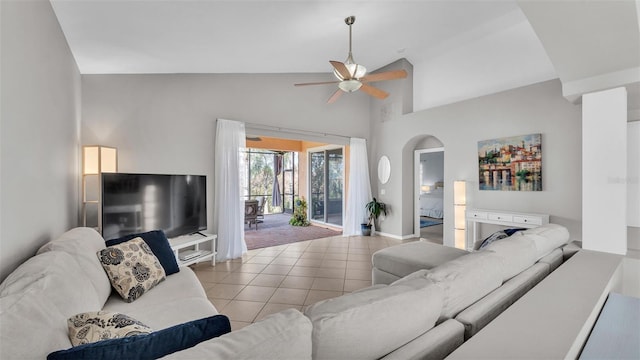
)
(293, 131)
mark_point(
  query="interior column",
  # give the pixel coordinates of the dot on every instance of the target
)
(604, 171)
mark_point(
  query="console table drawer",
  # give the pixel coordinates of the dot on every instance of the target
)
(500, 217)
(476, 215)
(533, 220)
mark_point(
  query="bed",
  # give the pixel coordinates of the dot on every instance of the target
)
(431, 203)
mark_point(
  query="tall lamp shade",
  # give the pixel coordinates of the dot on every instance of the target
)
(97, 159)
(460, 208)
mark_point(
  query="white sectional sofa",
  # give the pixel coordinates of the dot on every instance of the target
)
(65, 278)
(479, 285)
(424, 315)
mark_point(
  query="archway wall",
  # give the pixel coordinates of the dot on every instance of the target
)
(538, 108)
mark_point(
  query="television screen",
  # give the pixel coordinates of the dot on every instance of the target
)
(134, 203)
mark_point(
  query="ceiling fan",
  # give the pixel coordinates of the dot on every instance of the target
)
(352, 77)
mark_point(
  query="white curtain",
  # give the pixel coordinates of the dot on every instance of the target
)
(359, 188)
(228, 209)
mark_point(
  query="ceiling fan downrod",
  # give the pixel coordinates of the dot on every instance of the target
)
(349, 21)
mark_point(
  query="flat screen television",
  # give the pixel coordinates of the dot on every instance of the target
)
(134, 203)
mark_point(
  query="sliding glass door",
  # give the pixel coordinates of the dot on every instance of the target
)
(261, 172)
(326, 169)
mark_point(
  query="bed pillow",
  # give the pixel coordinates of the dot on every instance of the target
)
(132, 268)
(89, 327)
(160, 246)
(150, 346)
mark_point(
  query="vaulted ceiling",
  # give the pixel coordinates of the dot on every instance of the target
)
(459, 49)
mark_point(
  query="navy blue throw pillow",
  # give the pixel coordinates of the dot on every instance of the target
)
(160, 246)
(499, 235)
(510, 232)
(150, 346)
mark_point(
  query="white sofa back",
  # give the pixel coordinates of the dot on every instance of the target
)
(35, 302)
(82, 244)
(372, 322)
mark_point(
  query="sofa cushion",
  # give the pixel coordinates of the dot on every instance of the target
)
(89, 327)
(372, 322)
(284, 335)
(518, 253)
(35, 302)
(404, 259)
(150, 346)
(82, 243)
(466, 279)
(157, 308)
(160, 246)
(546, 238)
(554, 259)
(132, 268)
(479, 314)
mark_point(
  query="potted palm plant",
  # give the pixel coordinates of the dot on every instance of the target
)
(374, 208)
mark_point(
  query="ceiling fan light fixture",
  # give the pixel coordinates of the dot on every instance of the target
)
(357, 71)
(349, 85)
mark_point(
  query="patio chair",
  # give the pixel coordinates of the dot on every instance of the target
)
(260, 212)
(251, 212)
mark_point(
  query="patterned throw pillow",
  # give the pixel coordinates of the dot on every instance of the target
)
(132, 268)
(94, 326)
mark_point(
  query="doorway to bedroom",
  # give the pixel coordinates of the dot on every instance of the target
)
(429, 194)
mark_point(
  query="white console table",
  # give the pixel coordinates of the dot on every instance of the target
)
(192, 242)
(498, 217)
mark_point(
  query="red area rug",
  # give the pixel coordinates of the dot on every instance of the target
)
(275, 230)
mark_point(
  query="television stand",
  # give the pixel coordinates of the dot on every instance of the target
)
(187, 250)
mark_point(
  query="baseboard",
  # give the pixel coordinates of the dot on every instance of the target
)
(403, 237)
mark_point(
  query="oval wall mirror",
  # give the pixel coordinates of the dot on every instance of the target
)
(384, 169)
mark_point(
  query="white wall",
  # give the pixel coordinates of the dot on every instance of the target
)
(538, 108)
(467, 66)
(432, 167)
(40, 117)
(166, 123)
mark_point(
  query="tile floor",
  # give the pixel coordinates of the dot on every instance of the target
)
(269, 280)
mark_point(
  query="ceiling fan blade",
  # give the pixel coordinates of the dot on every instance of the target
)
(341, 69)
(335, 96)
(387, 75)
(374, 91)
(317, 83)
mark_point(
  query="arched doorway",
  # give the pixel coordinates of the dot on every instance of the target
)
(428, 188)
